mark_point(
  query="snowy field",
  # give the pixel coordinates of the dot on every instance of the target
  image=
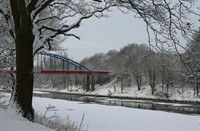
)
(102, 118)
(114, 118)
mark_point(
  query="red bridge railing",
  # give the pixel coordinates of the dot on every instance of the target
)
(65, 72)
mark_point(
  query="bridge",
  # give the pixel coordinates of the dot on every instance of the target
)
(57, 64)
(49, 63)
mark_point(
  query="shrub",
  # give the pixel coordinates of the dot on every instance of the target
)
(55, 122)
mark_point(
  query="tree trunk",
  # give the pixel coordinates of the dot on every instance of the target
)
(139, 82)
(24, 39)
(163, 78)
(99, 80)
(122, 83)
(24, 86)
(152, 80)
(24, 69)
(197, 88)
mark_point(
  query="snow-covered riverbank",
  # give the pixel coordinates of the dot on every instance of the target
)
(113, 89)
(13, 122)
(115, 118)
(105, 118)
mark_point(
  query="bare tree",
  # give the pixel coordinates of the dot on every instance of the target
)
(193, 61)
(134, 64)
(151, 62)
(166, 20)
(7, 55)
(29, 27)
(120, 68)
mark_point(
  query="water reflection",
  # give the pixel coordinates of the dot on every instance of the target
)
(192, 109)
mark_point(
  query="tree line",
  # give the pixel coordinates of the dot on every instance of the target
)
(140, 64)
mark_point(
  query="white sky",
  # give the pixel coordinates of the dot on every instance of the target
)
(104, 34)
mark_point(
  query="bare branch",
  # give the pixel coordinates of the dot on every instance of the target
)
(166, 18)
(47, 32)
(7, 15)
(40, 8)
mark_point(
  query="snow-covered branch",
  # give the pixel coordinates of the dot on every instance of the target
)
(60, 17)
(39, 7)
(166, 20)
(4, 10)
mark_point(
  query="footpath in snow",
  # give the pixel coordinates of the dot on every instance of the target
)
(12, 122)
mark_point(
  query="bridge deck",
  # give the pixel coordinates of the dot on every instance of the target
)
(66, 72)
(74, 72)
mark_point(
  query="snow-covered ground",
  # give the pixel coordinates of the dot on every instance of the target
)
(13, 122)
(145, 92)
(101, 117)
(10, 121)
(107, 118)
(115, 118)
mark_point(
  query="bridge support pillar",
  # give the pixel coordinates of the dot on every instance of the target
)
(92, 83)
(87, 88)
(99, 80)
(67, 80)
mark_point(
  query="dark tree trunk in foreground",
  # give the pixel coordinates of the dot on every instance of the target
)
(24, 38)
(24, 86)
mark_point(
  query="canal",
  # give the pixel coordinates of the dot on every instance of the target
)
(112, 114)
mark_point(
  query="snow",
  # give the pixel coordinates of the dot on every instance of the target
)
(13, 122)
(115, 118)
(145, 92)
(101, 117)
(40, 92)
(106, 118)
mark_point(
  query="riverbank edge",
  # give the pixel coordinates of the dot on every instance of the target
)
(86, 94)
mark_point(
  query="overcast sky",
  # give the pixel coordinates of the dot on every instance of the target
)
(102, 35)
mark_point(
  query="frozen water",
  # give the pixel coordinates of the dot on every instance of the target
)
(114, 118)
